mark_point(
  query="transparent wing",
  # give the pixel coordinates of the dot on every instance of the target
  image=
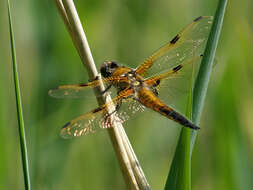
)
(71, 91)
(129, 109)
(95, 119)
(82, 125)
(173, 85)
(189, 42)
(81, 90)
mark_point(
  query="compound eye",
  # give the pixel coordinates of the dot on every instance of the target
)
(114, 64)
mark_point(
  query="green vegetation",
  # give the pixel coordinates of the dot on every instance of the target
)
(127, 32)
(22, 137)
(180, 173)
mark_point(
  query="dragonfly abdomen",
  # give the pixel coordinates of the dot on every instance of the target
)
(148, 99)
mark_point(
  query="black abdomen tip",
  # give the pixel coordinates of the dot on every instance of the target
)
(195, 127)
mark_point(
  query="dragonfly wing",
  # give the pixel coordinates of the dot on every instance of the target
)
(184, 68)
(81, 90)
(189, 42)
(82, 125)
(97, 118)
(129, 109)
(70, 91)
(174, 84)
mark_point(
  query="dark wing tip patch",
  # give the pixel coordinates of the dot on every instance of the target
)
(177, 68)
(83, 84)
(197, 19)
(67, 124)
(175, 39)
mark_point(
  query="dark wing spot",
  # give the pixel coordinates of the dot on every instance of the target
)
(156, 83)
(84, 84)
(197, 19)
(66, 124)
(175, 39)
(97, 110)
(175, 69)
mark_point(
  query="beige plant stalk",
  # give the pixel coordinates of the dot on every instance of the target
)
(130, 167)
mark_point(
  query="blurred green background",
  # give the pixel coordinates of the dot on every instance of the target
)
(127, 31)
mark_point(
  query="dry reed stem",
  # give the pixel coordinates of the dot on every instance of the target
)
(130, 167)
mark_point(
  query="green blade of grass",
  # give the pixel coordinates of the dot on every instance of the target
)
(181, 164)
(180, 173)
(19, 108)
(205, 69)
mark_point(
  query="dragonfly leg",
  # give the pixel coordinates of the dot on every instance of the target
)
(107, 120)
(96, 78)
(116, 109)
(106, 89)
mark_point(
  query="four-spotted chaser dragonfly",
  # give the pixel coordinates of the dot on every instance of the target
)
(183, 50)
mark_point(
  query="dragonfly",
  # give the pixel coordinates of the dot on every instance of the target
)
(132, 85)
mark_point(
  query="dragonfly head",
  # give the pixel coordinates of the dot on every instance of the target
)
(108, 68)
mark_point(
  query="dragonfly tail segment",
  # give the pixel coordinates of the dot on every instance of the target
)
(172, 114)
(151, 101)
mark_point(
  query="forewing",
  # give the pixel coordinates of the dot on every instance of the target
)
(186, 44)
(174, 84)
(71, 91)
(81, 90)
